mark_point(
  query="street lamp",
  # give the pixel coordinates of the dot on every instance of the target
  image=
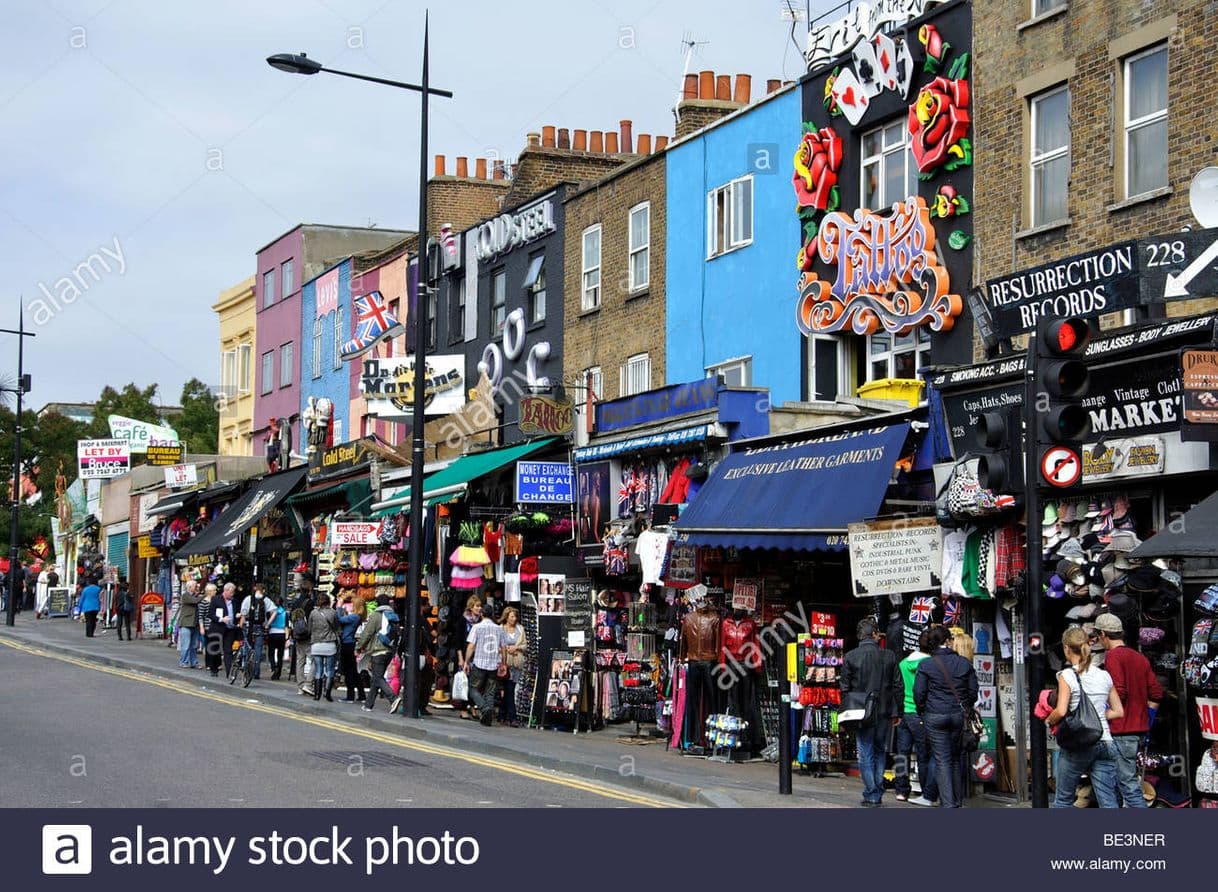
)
(22, 387)
(302, 64)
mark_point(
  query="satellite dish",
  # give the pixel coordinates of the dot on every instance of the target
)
(1203, 196)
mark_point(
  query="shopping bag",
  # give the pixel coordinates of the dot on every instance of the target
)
(460, 686)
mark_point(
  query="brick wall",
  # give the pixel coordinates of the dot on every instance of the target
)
(694, 114)
(540, 168)
(462, 201)
(625, 323)
(1004, 55)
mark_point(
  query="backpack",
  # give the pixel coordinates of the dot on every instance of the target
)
(256, 615)
(390, 634)
(300, 626)
(1081, 728)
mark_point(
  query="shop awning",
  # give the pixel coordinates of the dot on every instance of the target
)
(171, 504)
(245, 512)
(356, 493)
(799, 495)
(218, 492)
(457, 476)
(1193, 534)
(647, 441)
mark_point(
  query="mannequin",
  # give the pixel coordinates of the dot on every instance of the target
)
(740, 668)
(700, 648)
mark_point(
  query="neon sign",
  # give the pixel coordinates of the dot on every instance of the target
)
(889, 274)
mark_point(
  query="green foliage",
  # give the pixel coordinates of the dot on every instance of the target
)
(131, 402)
(199, 424)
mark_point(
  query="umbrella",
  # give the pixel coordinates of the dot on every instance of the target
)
(1194, 534)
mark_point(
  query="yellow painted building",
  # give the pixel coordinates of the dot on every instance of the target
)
(236, 309)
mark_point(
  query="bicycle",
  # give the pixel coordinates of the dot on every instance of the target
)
(243, 663)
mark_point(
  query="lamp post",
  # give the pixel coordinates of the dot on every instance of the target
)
(302, 64)
(23, 386)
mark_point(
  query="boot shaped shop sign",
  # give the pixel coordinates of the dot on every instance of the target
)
(388, 385)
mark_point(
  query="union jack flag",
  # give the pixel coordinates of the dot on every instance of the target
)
(951, 611)
(374, 322)
(919, 610)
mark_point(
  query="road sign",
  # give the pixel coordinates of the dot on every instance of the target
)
(1061, 466)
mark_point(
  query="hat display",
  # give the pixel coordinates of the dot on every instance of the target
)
(1093, 509)
(1105, 508)
(1066, 512)
(1107, 622)
(1072, 549)
(1143, 579)
(1120, 507)
(1057, 588)
(1171, 578)
(1123, 540)
(1050, 519)
(1083, 611)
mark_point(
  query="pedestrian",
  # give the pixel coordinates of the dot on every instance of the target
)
(42, 597)
(188, 626)
(212, 621)
(230, 626)
(911, 735)
(513, 656)
(1097, 760)
(464, 624)
(255, 615)
(276, 637)
(370, 643)
(482, 652)
(303, 601)
(90, 604)
(870, 674)
(426, 677)
(1140, 693)
(125, 607)
(350, 618)
(945, 688)
(323, 646)
(963, 644)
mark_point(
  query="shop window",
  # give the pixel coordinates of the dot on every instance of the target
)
(1050, 157)
(245, 353)
(1145, 120)
(640, 246)
(590, 264)
(889, 173)
(734, 372)
(317, 348)
(268, 288)
(268, 372)
(340, 337)
(287, 278)
(535, 287)
(828, 376)
(729, 217)
(285, 365)
(896, 356)
(636, 374)
(498, 301)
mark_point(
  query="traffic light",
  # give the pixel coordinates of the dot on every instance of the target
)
(1062, 381)
(999, 438)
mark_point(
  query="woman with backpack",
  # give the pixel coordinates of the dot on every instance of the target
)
(1083, 737)
(276, 636)
(323, 646)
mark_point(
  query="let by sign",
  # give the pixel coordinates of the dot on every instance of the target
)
(102, 459)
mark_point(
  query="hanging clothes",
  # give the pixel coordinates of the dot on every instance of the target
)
(953, 563)
(652, 549)
(677, 490)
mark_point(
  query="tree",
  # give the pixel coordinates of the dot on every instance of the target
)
(47, 445)
(199, 424)
(131, 402)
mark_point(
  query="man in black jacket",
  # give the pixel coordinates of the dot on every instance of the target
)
(870, 673)
(945, 689)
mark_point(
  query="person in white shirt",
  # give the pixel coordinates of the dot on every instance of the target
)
(483, 651)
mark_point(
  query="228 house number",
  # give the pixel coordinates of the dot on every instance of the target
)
(1165, 253)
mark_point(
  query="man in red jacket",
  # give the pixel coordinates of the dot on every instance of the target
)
(1140, 693)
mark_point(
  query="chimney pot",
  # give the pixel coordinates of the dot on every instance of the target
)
(439, 165)
(499, 172)
(627, 129)
(661, 143)
(706, 85)
(480, 168)
(691, 86)
(773, 85)
(547, 136)
(744, 88)
(462, 166)
(564, 138)
(596, 141)
(723, 87)
(533, 139)
(581, 141)
(644, 147)
(610, 142)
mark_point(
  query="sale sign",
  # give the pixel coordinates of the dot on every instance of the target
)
(1207, 715)
(744, 594)
(102, 459)
(350, 533)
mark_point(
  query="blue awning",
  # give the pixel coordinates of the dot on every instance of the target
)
(637, 444)
(799, 495)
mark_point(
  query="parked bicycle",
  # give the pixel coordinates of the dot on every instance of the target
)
(243, 663)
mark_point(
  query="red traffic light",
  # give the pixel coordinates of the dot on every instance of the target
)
(1066, 337)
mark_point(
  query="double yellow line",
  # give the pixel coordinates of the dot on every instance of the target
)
(391, 740)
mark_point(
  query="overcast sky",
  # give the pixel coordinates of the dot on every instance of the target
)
(156, 131)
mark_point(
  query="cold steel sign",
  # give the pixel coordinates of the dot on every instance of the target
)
(509, 231)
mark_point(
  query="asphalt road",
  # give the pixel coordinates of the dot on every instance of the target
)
(76, 735)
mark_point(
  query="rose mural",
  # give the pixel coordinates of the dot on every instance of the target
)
(935, 46)
(817, 161)
(939, 123)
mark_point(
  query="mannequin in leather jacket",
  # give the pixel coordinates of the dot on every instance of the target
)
(700, 643)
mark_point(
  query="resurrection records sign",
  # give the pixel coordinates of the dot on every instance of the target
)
(892, 557)
(1199, 381)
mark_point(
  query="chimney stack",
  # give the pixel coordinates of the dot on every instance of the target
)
(462, 166)
(439, 166)
(723, 88)
(547, 136)
(533, 140)
(581, 141)
(627, 128)
(744, 89)
(644, 147)
(564, 138)
(610, 142)
(691, 86)
(596, 141)
(773, 85)
(480, 168)
(498, 168)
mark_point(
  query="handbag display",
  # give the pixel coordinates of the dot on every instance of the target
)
(1082, 727)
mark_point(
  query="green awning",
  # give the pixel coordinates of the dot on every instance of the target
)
(357, 493)
(443, 484)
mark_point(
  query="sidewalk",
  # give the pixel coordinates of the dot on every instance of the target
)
(598, 756)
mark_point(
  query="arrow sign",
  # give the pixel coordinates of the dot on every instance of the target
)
(1177, 285)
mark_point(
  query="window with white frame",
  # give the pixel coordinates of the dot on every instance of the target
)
(268, 288)
(535, 288)
(896, 356)
(1146, 122)
(340, 337)
(498, 301)
(888, 169)
(286, 367)
(636, 374)
(287, 278)
(1050, 158)
(590, 265)
(228, 372)
(245, 354)
(268, 372)
(729, 217)
(640, 246)
(317, 347)
(1041, 7)
(432, 299)
(736, 372)
(456, 332)
(829, 368)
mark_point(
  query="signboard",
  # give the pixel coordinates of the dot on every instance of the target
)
(338, 459)
(544, 483)
(168, 454)
(1060, 466)
(544, 415)
(862, 21)
(351, 533)
(198, 560)
(326, 291)
(152, 616)
(984, 765)
(1207, 715)
(577, 617)
(102, 459)
(1179, 265)
(987, 700)
(178, 476)
(682, 566)
(144, 549)
(984, 667)
(657, 405)
(1199, 383)
(892, 557)
(141, 434)
(388, 385)
(989, 734)
(745, 594)
(146, 523)
(1127, 457)
(509, 231)
(60, 603)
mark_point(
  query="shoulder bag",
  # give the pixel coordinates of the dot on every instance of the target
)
(1082, 727)
(973, 728)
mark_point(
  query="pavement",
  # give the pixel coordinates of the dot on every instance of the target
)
(607, 757)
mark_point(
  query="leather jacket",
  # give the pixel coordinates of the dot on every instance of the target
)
(740, 642)
(700, 636)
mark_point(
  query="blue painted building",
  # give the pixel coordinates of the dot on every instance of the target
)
(325, 304)
(731, 248)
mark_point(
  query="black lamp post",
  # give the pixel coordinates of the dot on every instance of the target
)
(22, 388)
(302, 64)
